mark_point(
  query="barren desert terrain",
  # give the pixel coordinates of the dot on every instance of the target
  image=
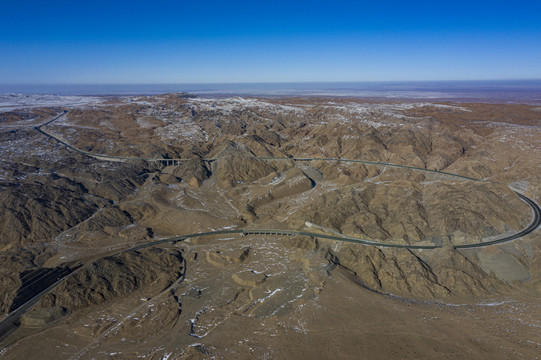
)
(184, 227)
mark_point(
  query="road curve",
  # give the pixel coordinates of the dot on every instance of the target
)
(536, 210)
(126, 158)
(8, 324)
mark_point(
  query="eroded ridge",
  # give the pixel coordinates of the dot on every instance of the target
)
(212, 227)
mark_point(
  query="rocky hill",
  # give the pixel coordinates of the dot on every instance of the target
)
(209, 164)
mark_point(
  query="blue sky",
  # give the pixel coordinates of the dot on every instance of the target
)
(123, 42)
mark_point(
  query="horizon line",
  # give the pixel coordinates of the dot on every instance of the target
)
(268, 82)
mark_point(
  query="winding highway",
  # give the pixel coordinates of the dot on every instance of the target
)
(9, 323)
(534, 224)
(127, 158)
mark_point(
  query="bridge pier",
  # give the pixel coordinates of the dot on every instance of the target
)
(169, 162)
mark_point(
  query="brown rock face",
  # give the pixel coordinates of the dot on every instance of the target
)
(118, 276)
(399, 272)
(405, 211)
(231, 170)
(234, 292)
(193, 171)
(36, 212)
(476, 210)
(402, 272)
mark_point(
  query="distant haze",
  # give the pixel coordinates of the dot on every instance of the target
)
(511, 91)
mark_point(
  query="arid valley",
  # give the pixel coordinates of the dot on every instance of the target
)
(184, 227)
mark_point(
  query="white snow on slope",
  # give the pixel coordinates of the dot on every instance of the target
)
(10, 102)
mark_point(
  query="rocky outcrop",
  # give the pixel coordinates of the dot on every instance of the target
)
(193, 172)
(404, 211)
(402, 272)
(117, 276)
(232, 170)
(38, 211)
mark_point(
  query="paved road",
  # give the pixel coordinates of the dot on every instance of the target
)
(125, 158)
(9, 324)
(39, 128)
(536, 212)
(535, 208)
